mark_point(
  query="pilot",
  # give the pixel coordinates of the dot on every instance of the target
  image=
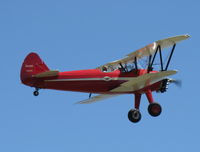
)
(104, 69)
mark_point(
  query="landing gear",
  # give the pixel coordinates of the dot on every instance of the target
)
(134, 115)
(154, 109)
(36, 92)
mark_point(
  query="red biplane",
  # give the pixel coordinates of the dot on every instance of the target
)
(123, 76)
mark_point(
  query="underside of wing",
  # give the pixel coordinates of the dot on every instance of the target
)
(142, 81)
(147, 50)
(97, 98)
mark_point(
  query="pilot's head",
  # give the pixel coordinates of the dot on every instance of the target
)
(104, 69)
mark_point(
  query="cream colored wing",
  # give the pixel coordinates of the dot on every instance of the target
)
(147, 50)
(132, 85)
(97, 98)
(142, 81)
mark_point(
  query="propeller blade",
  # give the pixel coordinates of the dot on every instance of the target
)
(176, 82)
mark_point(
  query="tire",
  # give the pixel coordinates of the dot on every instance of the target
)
(154, 109)
(35, 93)
(134, 115)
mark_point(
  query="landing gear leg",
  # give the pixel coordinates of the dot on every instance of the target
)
(36, 92)
(154, 108)
(134, 115)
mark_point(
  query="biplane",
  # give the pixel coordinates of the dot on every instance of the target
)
(124, 76)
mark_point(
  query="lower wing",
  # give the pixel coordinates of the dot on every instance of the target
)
(97, 98)
(132, 85)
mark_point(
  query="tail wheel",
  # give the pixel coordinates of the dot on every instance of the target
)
(134, 115)
(35, 93)
(154, 109)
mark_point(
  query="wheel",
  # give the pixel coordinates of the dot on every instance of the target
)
(35, 93)
(134, 115)
(154, 109)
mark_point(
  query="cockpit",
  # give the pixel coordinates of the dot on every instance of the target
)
(122, 67)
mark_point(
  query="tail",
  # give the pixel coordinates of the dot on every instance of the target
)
(32, 66)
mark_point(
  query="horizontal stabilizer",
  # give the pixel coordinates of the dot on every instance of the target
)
(97, 98)
(46, 74)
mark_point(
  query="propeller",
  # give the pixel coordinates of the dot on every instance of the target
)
(176, 82)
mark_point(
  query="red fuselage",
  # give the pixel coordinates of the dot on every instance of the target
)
(91, 81)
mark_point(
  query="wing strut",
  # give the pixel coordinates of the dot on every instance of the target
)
(150, 67)
(90, 95)
(124, 69)
(172, 51)
(149, 64)
(136, 67)
(161, 61)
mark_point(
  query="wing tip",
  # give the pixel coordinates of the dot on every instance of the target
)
(187, 36)
(174, 71)
(82, 102)
(170, 72)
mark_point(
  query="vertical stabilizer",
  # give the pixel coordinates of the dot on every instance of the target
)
(31, 66)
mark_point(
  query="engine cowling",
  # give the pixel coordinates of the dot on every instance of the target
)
(164, 86)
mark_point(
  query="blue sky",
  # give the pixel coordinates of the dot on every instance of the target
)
(72, 35)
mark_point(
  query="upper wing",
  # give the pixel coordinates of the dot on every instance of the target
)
(147, 50)
(142, 81)
(97, 98)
